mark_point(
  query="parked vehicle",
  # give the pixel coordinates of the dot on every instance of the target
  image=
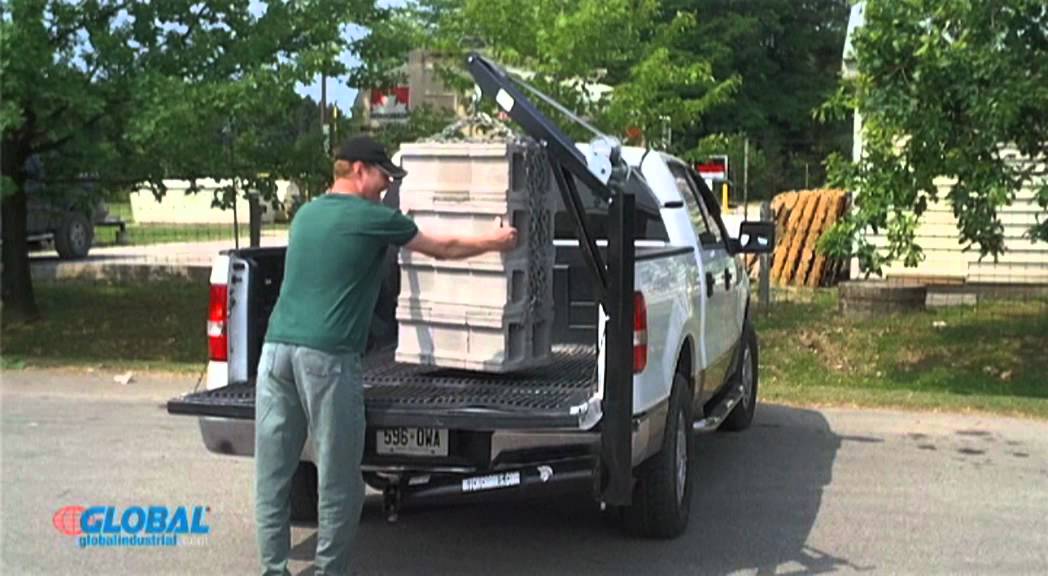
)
(67, 217)
(653, 342)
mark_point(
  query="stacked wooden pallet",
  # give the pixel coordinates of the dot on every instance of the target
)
(801, 219)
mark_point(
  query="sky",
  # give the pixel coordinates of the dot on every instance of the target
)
(338, 93)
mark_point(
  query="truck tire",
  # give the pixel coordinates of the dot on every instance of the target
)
(746, 375)
(304, 495)
(662, 492)
(74, 237)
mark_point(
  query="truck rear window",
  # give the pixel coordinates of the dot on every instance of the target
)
(648, 226)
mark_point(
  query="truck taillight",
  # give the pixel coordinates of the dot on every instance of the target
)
(217, 340)
(640, 333)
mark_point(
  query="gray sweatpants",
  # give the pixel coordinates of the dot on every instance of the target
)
(301, 390)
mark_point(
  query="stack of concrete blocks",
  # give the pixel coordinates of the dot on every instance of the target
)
(493, 312)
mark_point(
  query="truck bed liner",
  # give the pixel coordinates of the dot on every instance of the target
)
(414, 395)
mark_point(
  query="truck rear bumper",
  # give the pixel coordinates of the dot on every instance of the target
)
(498, 449)
(236, 437)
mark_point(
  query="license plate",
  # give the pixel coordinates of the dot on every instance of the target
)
(407, 441)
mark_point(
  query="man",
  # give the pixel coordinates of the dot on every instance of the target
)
(309, 375)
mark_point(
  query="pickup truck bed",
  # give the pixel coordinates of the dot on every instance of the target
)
(400, 394)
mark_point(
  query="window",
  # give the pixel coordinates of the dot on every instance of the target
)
(701, 220)
(705, 197)
(648, 226)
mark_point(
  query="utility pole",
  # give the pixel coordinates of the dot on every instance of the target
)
(334, 124)
(323, 114)
(667, 132)
(231, 136)
(765, 265)
(746, 179)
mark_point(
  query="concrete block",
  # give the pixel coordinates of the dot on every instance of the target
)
(479, 285)
(472, 338)
(492, 312)
(534, 229)
(474, 171)
(951, 299)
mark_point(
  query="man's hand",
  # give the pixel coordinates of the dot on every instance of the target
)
(503, 239)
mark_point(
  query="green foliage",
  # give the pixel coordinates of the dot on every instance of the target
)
(787, 56)
(129, 93)
(175, 89)
(567, 48)
(423, 121)
(697, 70)
(946, 91)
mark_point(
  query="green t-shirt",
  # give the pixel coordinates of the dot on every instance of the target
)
(333, 272)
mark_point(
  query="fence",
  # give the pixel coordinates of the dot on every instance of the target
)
(179, 235)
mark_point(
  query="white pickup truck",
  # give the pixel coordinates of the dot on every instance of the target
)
(652, 343)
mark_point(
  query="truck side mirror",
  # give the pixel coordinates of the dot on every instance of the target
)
(754, 238)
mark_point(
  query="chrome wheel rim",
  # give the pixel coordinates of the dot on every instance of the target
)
(78, 235)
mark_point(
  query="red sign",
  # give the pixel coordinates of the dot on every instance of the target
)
(714, 169)
(718, 167)
(390, 102)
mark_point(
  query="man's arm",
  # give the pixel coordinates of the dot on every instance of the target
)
(446, 247)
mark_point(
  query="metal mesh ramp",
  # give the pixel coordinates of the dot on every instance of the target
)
(565, 382)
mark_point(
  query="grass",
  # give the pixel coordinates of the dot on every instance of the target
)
(986, 358)
(990, 358)
(121, 211)
(142, 234)
(155, 326)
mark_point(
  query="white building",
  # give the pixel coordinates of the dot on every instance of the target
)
(1023, 261)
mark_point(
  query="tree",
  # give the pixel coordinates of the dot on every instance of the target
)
(787, 54)
(945, 89)
(422, 122)
(565, 48)
(131, 92)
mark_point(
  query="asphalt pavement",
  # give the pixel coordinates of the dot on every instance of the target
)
(804, 491)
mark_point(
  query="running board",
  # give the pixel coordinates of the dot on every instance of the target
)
(720, 411)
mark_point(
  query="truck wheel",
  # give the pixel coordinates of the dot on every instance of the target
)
(662, 493)
(746, 376)
(304, 494)
(74, 237)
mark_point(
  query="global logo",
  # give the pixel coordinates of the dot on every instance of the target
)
(98, 526)
(67, 520)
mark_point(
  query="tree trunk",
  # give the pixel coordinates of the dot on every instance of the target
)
(18, 298)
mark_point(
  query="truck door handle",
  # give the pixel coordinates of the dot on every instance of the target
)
(709, 285)
(727, 279)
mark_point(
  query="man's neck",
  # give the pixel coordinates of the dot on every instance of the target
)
(348, 187)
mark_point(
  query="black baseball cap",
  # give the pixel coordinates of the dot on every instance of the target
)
(368, 150)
